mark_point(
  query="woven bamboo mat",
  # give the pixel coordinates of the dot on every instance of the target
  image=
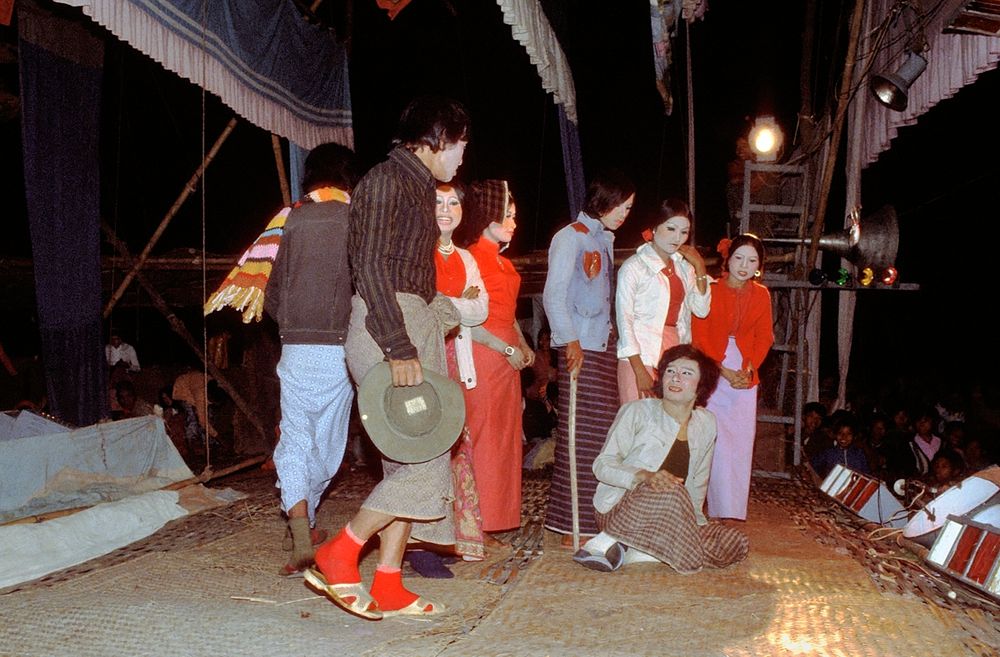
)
(814, 584)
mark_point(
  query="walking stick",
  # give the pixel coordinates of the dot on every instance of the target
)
(571, 445)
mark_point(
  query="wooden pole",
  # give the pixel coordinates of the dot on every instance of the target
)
(838, 125)
(574, 497)
(279, 161)
(178, 326)
(188, 189)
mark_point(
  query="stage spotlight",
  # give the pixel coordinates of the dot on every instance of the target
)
(766, 139)
(890, 88)
(843, 277)
(817, 277)
(888, 276)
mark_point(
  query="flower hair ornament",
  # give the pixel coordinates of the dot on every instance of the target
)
(723, 247)
(647, 235)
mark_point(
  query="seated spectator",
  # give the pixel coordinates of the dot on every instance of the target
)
(953, 436)
(191, 387)
(946, 470)
(119, 351)
(874, 442)
(924, 444)
(653, 476)
(976, 456)
(129, 402)
(546, 365)
(181, 423)
(814, 436)
(845, 430)
(539, 417)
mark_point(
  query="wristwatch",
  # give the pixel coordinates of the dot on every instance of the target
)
(509, 350)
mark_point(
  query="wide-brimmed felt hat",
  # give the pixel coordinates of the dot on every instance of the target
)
(411, 424)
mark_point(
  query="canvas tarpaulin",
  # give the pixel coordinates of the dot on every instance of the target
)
(100, 463)
(262, 58)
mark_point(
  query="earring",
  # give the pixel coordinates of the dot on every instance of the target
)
(756, 274)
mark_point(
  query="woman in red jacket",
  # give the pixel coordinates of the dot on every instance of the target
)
(738, 334)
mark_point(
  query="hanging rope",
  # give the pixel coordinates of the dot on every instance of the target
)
(690, 110)
(204, 274)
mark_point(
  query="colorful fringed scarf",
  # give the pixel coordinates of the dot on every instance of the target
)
(244, 287)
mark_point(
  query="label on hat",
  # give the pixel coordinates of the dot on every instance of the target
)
(415, 405)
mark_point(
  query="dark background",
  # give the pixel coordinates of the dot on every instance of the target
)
(941, 175)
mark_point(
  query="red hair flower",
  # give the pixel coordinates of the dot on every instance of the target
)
(647, 235)
(723, 247)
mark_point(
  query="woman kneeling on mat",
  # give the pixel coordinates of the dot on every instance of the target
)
(653, 474)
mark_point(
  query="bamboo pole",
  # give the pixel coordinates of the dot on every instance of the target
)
(191, 185)
(279, 162)
(838, 125)
(178, 326)
(574, 497)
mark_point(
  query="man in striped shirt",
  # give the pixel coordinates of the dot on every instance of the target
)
(397, 314)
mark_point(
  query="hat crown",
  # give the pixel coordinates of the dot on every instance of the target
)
(413, 411)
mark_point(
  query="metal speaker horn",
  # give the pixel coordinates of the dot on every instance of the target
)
(879, 240)
(871, 242)
(890, 88)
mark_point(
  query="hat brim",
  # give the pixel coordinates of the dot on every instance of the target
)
(437, 392)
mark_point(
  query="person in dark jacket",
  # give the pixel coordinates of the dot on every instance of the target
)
(309, 296)
(845, 430)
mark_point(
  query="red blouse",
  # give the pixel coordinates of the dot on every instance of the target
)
(450, 274)
(502, 284)
(744, 313)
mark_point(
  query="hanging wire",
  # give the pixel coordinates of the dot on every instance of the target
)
(691, 144)
(541, 163)
(117, 185)
(204, 274)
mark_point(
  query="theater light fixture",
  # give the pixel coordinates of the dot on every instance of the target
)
(766, 139)
(890, 88)
(888, 276)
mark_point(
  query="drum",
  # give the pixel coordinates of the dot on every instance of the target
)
(865, 496)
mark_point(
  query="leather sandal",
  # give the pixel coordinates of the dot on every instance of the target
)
(419, 607)
(353, 598)
(292, 571)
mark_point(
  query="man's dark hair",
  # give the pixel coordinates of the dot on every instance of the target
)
(330, 165)
(606, 191)
(432, 121)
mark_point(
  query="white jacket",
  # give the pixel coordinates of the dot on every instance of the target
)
(473, 312)
(643, 297)
(639, 439)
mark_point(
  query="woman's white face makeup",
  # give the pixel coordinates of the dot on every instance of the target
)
(744, 263)
(448, 210)
(614, 219)
(503, 232)
(680, 381)
(673, 232)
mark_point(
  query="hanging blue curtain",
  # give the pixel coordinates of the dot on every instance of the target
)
(61, 71)
(572, 163)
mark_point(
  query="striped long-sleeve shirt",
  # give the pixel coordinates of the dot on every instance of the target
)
(393, 235)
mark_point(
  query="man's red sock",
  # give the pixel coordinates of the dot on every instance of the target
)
(388, 589)
(337, 559)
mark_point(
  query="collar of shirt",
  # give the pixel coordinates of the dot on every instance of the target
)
(411, 164)
(649, 257)
(597, 229)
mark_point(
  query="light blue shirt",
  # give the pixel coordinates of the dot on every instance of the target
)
(579, 307)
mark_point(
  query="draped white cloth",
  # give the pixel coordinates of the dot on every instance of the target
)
(531, 29)
(261, 58)
(953, 61)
